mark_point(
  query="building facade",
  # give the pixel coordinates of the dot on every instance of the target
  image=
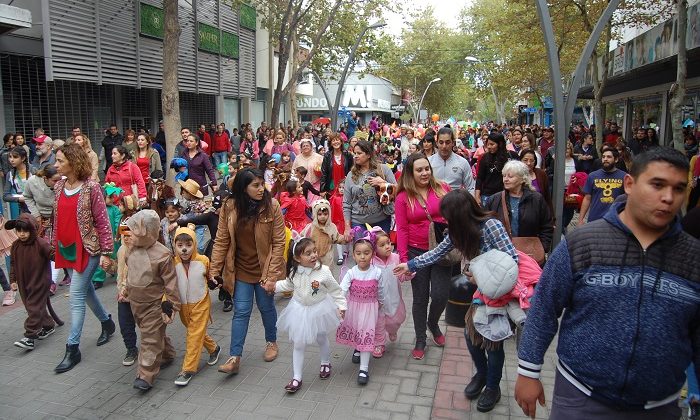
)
(89, 63)
(366, 94)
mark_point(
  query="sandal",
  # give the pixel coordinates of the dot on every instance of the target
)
(378, 352)
(293, 386)
(325, 371)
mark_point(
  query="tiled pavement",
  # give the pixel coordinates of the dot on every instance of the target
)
(100, 387)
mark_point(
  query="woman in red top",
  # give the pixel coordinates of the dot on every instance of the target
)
(124, 174)
(336, 165)
(146, 158)
(81, 241)
(417, 206)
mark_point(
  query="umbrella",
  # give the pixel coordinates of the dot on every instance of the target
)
(321, 121)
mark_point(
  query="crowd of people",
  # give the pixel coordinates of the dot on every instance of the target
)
(443, 206)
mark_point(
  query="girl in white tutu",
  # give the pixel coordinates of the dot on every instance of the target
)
(313, 310)
(362, 286)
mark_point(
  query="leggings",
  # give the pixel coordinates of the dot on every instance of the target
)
(298, 354)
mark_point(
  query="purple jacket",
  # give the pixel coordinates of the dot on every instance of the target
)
(200, 167)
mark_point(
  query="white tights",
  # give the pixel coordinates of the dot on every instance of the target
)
(298, 354)
(364, 360)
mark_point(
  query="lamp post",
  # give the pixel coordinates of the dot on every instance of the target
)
(341, 82)
(472, 59)
(420, 104)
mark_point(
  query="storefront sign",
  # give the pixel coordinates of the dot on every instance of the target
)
(229, 44)
(248, 17)
(209, 38)
(312, 103)
(358, 96)
(152, 21)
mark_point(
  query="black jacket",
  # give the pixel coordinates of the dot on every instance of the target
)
(108, 143)
(534, 217)
(327, 169)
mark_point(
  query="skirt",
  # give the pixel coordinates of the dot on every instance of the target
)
(303, 323)
(357, 329)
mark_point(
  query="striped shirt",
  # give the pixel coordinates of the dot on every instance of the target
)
(493, 236)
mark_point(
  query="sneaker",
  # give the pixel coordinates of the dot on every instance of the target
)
(45, 332)
(228, 305)
(25, 343)
(131, 356)
(378, 352)
(214, 356)
(65, 281)
(418, 352)
(271, 351)
(9, 298)
(438, 336)
(183, 379)
(52, 289)
(231, 366)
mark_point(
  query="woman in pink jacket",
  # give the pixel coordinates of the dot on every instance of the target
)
(417, 206)
(125, 173)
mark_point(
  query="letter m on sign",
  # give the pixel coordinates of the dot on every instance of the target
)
(354, 95)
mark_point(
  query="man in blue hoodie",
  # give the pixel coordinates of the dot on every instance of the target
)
(630, 284)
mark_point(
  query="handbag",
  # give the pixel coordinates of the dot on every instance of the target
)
(134, 190)
(530, 245)
(436, 234)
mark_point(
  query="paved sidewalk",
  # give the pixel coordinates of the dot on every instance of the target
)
(100, 387)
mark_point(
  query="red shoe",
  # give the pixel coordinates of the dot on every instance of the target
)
(378, 352)
(439, 340)
(418, 354)
(325, 371)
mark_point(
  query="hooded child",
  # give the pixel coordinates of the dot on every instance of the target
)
(192, 271)
(30, 274)
(151, 287)
(323, 232)
(114, 212)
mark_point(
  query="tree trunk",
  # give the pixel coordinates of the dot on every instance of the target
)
(170, 94)
(679, 88)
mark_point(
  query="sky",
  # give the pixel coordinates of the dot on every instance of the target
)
(446, 11)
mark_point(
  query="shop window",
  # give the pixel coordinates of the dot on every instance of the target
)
(615, 111)
(646, 113)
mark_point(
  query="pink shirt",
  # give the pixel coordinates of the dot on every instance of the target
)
(412, 224)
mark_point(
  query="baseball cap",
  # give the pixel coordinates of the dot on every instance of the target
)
(42, 138)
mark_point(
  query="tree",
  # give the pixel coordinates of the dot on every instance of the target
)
(426, 51)
(325, 27)
(679, 88)
(170, 94)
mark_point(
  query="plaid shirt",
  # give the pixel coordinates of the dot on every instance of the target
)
(493, 236)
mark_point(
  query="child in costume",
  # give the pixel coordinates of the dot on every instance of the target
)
(392, 312)
(192, 272)
(168, 224)
(151, 287)
(270, 172)
(361, 284)
(336, 201)
(294, 206)
(127, 324)
(29, 272)
(111, 191)
(312, 311)
(323, 231)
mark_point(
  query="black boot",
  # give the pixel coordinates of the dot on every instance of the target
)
(473, 389)
(71, 359)
(108, 329)
(488, 399)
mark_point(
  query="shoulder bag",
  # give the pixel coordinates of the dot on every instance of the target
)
(530, 245)
(436, 234)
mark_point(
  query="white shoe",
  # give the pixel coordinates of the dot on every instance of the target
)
(9, 298)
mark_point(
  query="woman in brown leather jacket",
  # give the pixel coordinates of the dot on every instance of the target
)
(248, 255)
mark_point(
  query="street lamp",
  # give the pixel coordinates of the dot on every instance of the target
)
(472, 59)
(420, 104)
(341, 82)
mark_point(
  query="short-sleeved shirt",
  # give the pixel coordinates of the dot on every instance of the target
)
(603, 187)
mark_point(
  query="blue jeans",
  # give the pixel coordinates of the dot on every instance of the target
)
(201, 244)
(384, 224)
(82, 291)
(243, 306)
(220, 157)
(488, 363)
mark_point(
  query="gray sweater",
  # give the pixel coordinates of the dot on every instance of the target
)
(360, 199)
(38, 197)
